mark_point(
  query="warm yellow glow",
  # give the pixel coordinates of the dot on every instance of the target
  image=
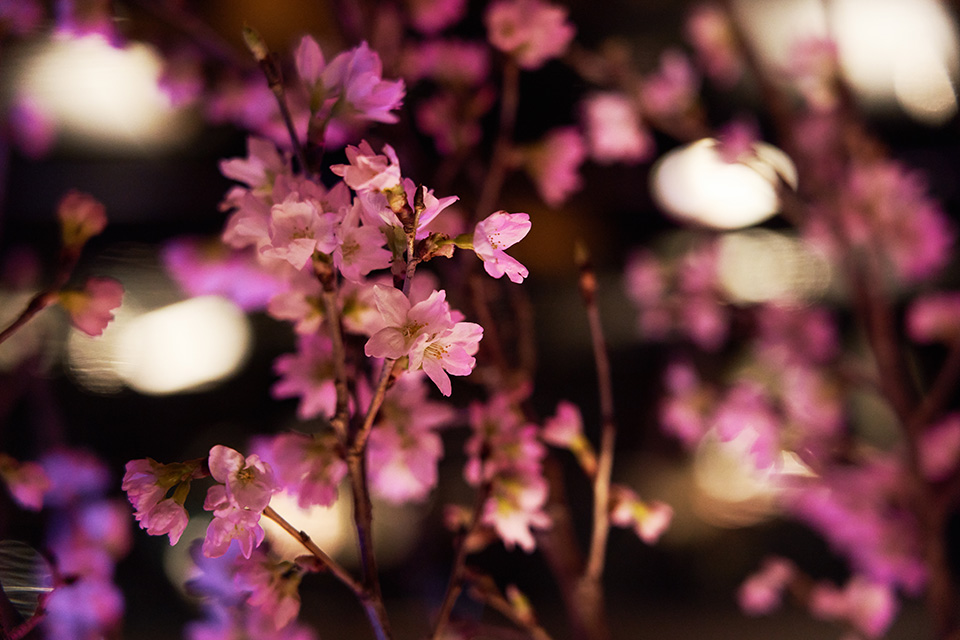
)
(731, 492)
(103, 94)
(328, 527)
(775, 26)
(922, 85)
(183, 346)
(695, 185)
(758, 265)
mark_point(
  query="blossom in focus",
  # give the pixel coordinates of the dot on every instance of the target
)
(648, 519)
(230, 522)
(81, 217)
(249, 481)
(762, 592)
(368, 171)
(147, 483)
(532, 31)
(495, 233)
(614, 132)
(260, 168)
(554, 164)
(91, 310)
(297, 228)
(355, 78)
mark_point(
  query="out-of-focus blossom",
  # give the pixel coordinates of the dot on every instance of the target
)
(91, 310)
(762, 592)
(613, 129)
(26, 481)
(686, 406)
(84, 608)
(745, 414)
(939, 448)
(532, 31)
(868, 606)
(709, 30)
(815, 68)
(495, 233)
(885, 212)
(307, 466)
(81, 217)
(75, 475)
(273, 588)
(554, 164)
(736, 140)
(648, 519)
(308, 374)
(789, 335)
(432, 16)
(203, 268)
(672, 90)
(450, 62)
(934, 317)
(32, 129)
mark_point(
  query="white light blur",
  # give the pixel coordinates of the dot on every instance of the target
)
(892, 52)
(103, 94)
(328, 527)
(183, 346)
(759, 265)
(694, 184)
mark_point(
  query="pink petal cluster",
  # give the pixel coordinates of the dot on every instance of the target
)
(426, 333)
(762, 592)
(369, 171)
(868, 606)
(238, 502)
(672, 90)
(274, 588)
(554, 164)
(432, 16)
(307, 466)
(687, 403)
(26, 481)
(81, 217)
(91, 310)
(308, 374)
(505, 452)
(712, 36)
(648, 519)
(532, 31)
(147, 483)
(934, 317)
(352, 84)
(495, 233)
(745, 414)
(404, 446)
(614, 131)
(938, 449)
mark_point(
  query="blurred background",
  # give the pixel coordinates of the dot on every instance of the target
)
(173, 376)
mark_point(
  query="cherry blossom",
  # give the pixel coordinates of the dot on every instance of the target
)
(614, 132)
(762, 592)
(81, 217)
(532, 31)
(554, 164)
(91, 310)
(249, 481)
(297, 228)
(495, 233)
(649, 519)
(368, 171)
(308, 374)
(307, 466)
(26, 481)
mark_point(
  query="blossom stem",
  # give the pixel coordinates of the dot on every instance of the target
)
(332, 565)
(601, 481)
(457, 573)
(37, 304)
(496, 601)
(332, 312)
(509, 99)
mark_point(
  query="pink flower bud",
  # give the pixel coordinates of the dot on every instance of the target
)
(91, 310)
(81, 217)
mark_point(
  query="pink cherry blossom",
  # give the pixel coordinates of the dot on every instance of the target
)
(762, 592)
(26, 481)
(746, 416)
(297, 228)
(565, 427)
(450, 351)
(712, 36)
(934, 317)
(614, 132)
(515, 507)
(939, 448)
(450, 62)
(686, 405)
(307, 466)
(648, 520)
(260, 168)
(532, 31)
(308, 374)
(359, 248)
(81, 217)
(368, 171)
(273, 588)
(870, 607)
(249, 481)
(356, 76)
(672, 90)
(554, 164)
(167, 517)
(432, 16)
(91, 310)
(495, 233)
(230, 522)
(408, 328)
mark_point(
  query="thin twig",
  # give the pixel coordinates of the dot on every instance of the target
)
(332, 565)
(509, 99)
